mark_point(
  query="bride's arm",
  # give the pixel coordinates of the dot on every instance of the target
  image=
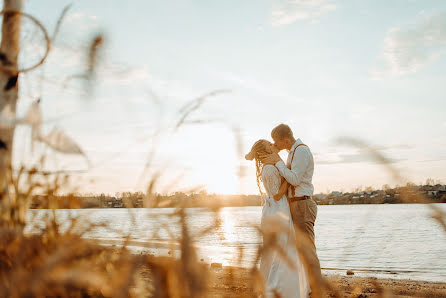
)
(282, 190)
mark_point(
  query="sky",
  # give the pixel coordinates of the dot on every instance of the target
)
(368, 71)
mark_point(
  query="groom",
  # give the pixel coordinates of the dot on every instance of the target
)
(298, 174)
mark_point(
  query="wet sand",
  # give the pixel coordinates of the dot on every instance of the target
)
(236, 282)
(226, 281)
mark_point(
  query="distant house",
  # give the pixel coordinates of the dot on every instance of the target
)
(320, 196)
(432, 193)
(118, 205)
(428, 187)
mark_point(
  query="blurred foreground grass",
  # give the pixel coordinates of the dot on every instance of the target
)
(55, 263)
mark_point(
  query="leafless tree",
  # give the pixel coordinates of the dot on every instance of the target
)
(9, 89)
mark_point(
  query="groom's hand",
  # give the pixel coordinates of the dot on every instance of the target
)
(270, 159)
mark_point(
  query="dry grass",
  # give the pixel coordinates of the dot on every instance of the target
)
(54, 262)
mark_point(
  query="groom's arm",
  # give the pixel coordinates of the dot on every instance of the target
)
(300, 163)
(298, 167)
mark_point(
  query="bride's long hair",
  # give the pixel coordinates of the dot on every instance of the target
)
(259, 147)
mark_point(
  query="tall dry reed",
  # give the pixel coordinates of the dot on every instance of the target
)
(54, 261)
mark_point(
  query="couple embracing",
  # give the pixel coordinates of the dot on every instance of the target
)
(289, 264)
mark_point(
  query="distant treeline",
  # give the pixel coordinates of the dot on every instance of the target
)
(140, 200)
(406, 194)
(410, 193)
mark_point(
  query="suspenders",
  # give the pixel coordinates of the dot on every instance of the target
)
(293, 188)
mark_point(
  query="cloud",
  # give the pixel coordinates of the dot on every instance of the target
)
(363, 155)
(356, 158)
(252, 84)
(394, 148)
(407, 49)
(433, 160)
(286, 12)
(77, 16)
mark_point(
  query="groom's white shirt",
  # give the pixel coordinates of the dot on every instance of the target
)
(302, 168)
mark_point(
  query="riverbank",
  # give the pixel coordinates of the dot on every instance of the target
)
(351, 286)
(237, 282)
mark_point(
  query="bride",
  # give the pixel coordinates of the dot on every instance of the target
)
(280, 267)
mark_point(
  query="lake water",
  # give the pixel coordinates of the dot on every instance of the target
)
(395, 241)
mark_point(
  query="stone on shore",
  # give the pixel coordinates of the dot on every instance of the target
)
(216, 265)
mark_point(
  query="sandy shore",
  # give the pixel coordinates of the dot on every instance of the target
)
(350, 286)
(237, 282)
(237, 285)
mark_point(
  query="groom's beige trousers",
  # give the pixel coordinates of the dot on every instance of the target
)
(304, 214)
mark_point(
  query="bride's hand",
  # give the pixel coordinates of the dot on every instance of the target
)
(282, 190)
(269, 159)
(277, 197)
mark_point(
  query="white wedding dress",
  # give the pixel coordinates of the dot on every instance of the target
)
(279, 277)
